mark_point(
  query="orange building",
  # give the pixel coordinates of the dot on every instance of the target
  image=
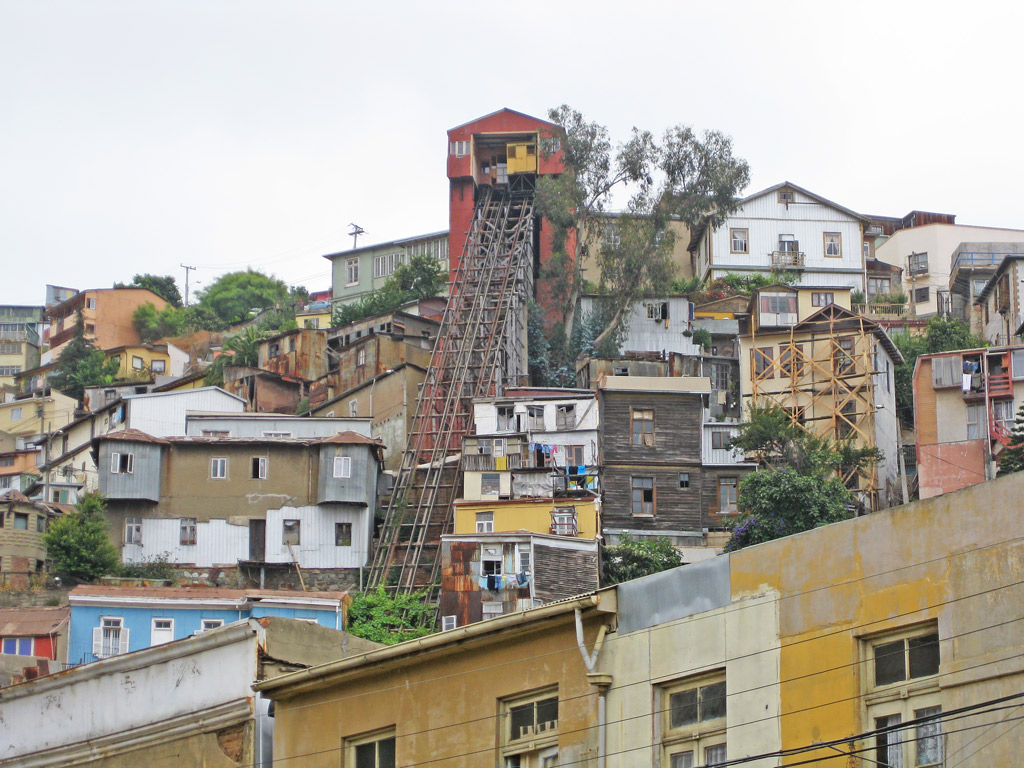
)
(108, 317)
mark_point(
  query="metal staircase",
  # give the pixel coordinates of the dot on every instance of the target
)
(481, 347)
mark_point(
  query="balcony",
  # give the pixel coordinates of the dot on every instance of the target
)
(489, 463)
(882, 311)
(575, 482)
(787, 260)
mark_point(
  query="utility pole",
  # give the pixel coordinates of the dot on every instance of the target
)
(187, 270)
(356, 231)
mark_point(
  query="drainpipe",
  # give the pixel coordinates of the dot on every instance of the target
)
(600, 680)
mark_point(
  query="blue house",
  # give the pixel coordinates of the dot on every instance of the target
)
(108, 621)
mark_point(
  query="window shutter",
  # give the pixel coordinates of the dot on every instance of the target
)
(115, 463)
(97, 641)
(123, 641)
(131, 463)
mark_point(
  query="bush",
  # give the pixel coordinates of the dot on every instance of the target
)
(389, 619)
(78, 544)
(158, 567)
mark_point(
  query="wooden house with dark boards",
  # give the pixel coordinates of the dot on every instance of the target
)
(651, 474)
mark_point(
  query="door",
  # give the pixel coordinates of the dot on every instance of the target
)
(257, 540)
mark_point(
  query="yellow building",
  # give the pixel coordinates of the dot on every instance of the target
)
(144, 360)
(314, 318)
(904, 649)
(577, 517)
(803, 350)
(35, 415)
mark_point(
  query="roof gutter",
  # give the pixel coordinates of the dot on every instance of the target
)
(294, 683)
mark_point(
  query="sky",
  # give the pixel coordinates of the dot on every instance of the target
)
(140, 135)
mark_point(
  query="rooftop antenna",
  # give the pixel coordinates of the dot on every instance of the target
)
(356, 231)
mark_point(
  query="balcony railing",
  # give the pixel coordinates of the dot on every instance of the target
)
(489, 463)
(787, 260)
(882, 311)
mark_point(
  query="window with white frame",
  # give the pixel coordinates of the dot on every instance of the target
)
(291, 533)
(822, 298)
(612, 237)
(133, 530)
(188, 532)
(490, 560)
(90, 303)
(361, 356)
(460, 148)
(218, 468)
(563, 521)
(351, 271)
(161, 631)
(900, 672)
(833, 245)
(535, 417)
(565, 416)
(353, 408)
(490, 483)
(122, 463)
(485, 522)
(878, 286)
(277, 434)
(529, 730)
(110, 638)
(449, 622)
(506, 421)
(693, 721)
(343, 466)
(739, 241)
(975, 419)
(207, 624)
(1002, 414)
(524, 559)
(259, 467)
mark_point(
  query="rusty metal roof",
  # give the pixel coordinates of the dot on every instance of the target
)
(32, 622)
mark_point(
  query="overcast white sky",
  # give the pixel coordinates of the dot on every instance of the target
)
(138, 135)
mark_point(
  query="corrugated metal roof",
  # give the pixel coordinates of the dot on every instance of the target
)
(32, 622)
(199, 593)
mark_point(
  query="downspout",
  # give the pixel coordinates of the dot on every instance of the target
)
(600, 680)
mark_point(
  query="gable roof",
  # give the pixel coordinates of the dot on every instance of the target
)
(504, 111)
(823, 200)
(32, 622)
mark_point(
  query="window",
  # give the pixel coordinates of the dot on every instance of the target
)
(218, 469)
(460, 148)
(822, 299)
(947, 371)
(361, 356)
(291, 533)
(529, 730)
(684, 479)
(574, 456)
(490, 484)
(693, 722)
(878, 286)
(188, 532)
(922, 295)
(277, 434)
(565, 417)
(18, 646)
(343, 466)
(719, 440)
(90, 303)
(219, 433)
(122, 463)
(207, 624)
(842, 356)
(918, 263)
(7, 461)
(738, 239)
(535, 417)
(643, 495)
(833, 245)
(975, 418)
(762, 359)
(16, 414)
(612, 237)
(20, 521)
(786, 195)
(846, 420)
(343, 534)
(1002, 413)
(138, 363)
(791, 360)
(158, 366)
(563, 522)
(900, 684)
(449, 622)
(720, 376)
(789, 244)
(506, 418)
(642, 426)
(727, 494)
(259, 467)
(10, 347)
(524, 559)
(778, 303)
(351, 271)
(484, 522)
(133, 530)
(490, 561)
(353, 408)
(40, 524)
(110, 638)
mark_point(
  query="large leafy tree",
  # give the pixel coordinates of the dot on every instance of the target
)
(232, 296)
(632, 558)
(163, 286)
(81, 365)
(422, 277)
(78, 544)
(685, 176)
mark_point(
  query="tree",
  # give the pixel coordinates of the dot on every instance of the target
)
(1012, 457)
(632, 558)
(421, 278)
(78, 543)
(163, 286)
(81, 365)
(690, 178)
(389, 619)
(232, 296)
(941, 335)
(153, 324)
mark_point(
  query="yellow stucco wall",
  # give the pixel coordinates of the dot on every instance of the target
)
(946, 559)
(125, 357)
(526, 515)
